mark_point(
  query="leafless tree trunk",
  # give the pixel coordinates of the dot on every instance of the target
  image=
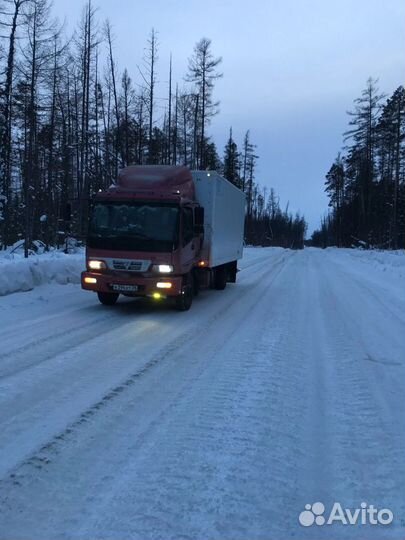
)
(175, 141)
(6, 143)
(169, 152)
(148, 74)
(118, 145)
(202, 72)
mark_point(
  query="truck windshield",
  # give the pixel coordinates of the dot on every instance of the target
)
(134, 226)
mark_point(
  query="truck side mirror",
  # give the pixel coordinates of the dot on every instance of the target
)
(199, 220)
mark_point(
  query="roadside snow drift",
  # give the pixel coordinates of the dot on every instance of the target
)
(19, 274)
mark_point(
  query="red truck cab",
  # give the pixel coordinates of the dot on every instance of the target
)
(145, 236)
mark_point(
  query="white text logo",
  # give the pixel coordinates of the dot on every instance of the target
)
(314, 514)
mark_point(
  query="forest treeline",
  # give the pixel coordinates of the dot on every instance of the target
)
(70, 118)
(366, 184)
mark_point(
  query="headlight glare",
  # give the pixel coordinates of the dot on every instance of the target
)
(96, 265)
(163, 268)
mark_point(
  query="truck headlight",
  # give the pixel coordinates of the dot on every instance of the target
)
(96, 265)
(162, 268)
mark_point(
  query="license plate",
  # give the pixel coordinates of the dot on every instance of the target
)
(124, 288)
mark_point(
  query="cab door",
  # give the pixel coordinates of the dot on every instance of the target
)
(188, 244)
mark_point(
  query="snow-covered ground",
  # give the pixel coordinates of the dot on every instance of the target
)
(139, 422)
(18, 274)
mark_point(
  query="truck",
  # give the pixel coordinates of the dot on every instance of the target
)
(164, 232)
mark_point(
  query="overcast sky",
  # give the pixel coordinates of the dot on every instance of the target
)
(292, 69)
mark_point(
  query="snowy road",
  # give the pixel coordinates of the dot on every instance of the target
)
(138, 422)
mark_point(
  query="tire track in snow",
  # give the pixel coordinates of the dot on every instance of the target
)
(367, 441)
(124, 382)
(14, 360)
(228, 398)
(270, 404)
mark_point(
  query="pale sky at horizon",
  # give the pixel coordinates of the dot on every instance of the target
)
(291, 71)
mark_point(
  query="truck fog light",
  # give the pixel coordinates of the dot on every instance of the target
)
(163, 285)
(156, 296)
(90, 280)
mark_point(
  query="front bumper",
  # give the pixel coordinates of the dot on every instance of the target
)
(147, 286)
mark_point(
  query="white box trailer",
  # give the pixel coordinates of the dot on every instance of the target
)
(224, 217)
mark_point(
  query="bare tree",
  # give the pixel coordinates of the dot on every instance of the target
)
(38, 54)
(148, 74)
(202, 72)
(175, 130)
(12, 9)
(169, 153)
(118, 146)
(248, 150)
(128, 98)
(87, 44)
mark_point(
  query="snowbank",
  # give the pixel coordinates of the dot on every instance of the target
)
(19, 274)
(390, 262)
(378, 269)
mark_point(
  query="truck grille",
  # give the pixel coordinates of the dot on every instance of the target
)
(128, 265)
(134, 266)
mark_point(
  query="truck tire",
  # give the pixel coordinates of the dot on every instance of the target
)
(196, 284)
(220, 278)
(184, 300)
(107, 299)
(232, 271)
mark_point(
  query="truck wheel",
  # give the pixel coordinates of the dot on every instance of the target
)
(107, 299)
(220, 278)
(183, 301)
(232, 271)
